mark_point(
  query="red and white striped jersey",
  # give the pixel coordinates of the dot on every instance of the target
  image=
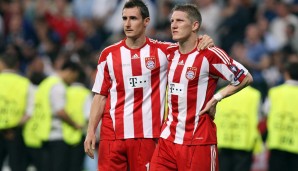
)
(192, 80)
(134, 80)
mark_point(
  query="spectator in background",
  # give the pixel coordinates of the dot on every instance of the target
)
(267, 10)
(237, 130)
(48, 39)
(235, 18)
(210, 11)
(82, 9)
(281, 107)
(16, 105)
(278, 26)
(45, 128)
(101, 13)
(273, 74)
(291, 45)
(253, 55)
(162, 30)
(62, 22)
(293, 5)
(21, 33)
(267, 38)
(2, 42)
(78, 103)
(93, 40)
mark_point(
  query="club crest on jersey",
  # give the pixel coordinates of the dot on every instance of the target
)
(150, 62)
(191, 73)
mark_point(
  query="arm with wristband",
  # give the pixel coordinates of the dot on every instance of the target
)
(229, 90)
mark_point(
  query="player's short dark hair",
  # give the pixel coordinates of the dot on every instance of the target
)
(73, 66)
(139, 4)
(292, 69)
(10, 61)
(191, 10)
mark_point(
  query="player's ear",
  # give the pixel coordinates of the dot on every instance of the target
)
(195, 26)
(146, 21)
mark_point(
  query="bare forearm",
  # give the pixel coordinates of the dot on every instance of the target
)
(230, 89)
(97, 108)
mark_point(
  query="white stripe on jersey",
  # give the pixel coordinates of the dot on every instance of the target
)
(114, 93)
(226, 73)
(166, 132)
(99, 78)
(223, 58)
(146, 117)
(201, 94)
(223, 55)
(162, 76)
(180, 128)
(128, 121)
(213, 157)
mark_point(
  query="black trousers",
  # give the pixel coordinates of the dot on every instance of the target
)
(234, 160)
(12, 145)
(77, 155)
(282, 160)
(55, 156)
(35, 157)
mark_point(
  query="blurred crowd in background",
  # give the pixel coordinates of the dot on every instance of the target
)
(262, 35)
(44, 33)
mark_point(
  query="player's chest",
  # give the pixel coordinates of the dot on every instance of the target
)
(187, 69)
(138, 62)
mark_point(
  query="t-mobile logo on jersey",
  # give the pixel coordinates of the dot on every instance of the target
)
(137, 81)
(176, 89)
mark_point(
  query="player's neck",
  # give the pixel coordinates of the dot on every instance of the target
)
(135, 43)
(188, 45)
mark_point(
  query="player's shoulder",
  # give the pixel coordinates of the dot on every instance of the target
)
(158, 43)
(112, 47)
(107, 50)
(172, 48)
(214, 52)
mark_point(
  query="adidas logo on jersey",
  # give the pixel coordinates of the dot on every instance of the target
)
(135, 56)
(181, 63)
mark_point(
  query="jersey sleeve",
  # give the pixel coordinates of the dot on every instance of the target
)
(225, 67)
(102, 81)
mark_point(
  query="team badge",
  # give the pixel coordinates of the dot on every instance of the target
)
(191, 73)
(150, 62)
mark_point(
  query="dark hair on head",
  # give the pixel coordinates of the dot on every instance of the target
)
(10, 61)
(139, 4)
(191, 10)
(73, 66)
(292, 69)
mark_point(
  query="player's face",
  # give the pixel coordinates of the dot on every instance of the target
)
(133, 24)
(181, 26)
